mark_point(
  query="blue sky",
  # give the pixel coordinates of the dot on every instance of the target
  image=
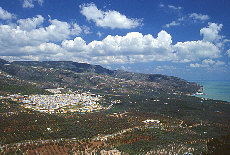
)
(185, 38)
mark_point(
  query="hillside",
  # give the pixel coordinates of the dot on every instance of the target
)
(181, 123)
(13, 85)
(81, 74)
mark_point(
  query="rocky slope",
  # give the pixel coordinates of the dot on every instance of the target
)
(70, 73)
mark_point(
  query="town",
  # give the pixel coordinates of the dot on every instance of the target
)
(60, 102)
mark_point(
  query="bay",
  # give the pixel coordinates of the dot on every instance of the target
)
(217, 90)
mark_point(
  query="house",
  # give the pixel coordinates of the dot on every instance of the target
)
(151, 121)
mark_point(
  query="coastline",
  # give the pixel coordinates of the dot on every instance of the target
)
(216, 90)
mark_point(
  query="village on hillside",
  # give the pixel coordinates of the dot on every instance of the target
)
(60, 102)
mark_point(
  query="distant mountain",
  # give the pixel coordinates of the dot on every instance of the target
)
(67, 65)
(70, 73)
(171, 82)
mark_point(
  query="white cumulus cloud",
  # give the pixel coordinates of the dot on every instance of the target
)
(195, 50)
(5, 15)
(56, 31)
(30, 23)
(136, 47)
(28, 39)
(111, 19)
(133, 47)
(133, 43)
(76, 30)
(78, 44)
(29, 36)
(211, 33)
(45, 48)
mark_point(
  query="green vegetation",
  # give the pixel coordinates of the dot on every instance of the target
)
(9, 88)
(10, 85)
(20, 124)
(187, 123)
(219, 145)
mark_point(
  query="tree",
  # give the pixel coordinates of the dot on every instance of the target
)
(219, 145)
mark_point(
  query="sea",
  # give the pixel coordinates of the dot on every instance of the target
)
(217, 90)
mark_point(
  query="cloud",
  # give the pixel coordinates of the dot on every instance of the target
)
(187, 19)
(128, 68)
(111, 19)
(228, 53)
(161, 5)
(30, 33)
(174, 7)
(5, 15)
(29, 3)
(196, 65)
(43, 49)
(86, 29)
(30, 23)
(219, 63)
(195, 50)
(136, 47)
(78, 44)
(133, 43)
(99, 34)
(173, 23)
(208, 63)
(28, 39)
(211, 33)
(199, 17)
(164, 67)
(226, 40)
(56, 31)
(76, 30)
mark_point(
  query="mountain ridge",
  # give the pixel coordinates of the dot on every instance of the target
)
(65, 71)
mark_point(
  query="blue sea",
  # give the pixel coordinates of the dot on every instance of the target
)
(218, 90)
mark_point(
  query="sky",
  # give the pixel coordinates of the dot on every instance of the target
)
(184, 38)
